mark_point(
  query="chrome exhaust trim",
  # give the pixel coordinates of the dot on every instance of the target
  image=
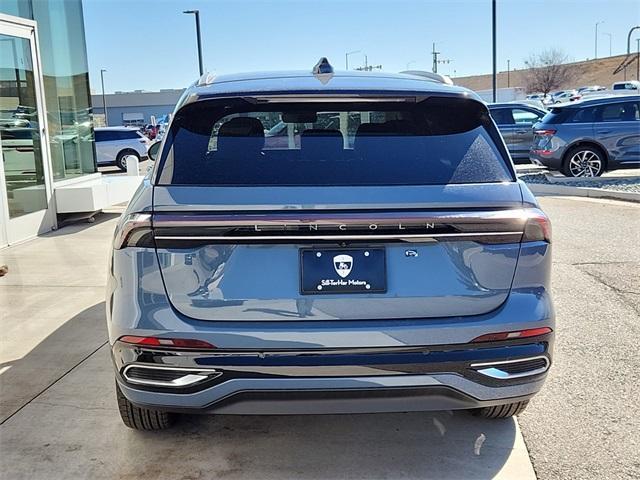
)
(183, 377)
(493, 370)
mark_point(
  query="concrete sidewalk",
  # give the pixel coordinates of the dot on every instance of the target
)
(60, 420)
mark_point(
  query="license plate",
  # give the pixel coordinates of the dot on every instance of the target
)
(343, 271)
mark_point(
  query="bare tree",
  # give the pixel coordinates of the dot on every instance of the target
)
(547, 71)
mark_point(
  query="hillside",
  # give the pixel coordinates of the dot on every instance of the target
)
(590, 72)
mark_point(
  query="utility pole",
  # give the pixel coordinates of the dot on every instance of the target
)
(367, 67)
(437, 62)
(596, 51)
(508, 73)
(435, 58)
(197, 15)
(495, 67)
(104, 100)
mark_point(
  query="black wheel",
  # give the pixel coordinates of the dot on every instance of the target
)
(142, 418)
(121, 159)
(583, 161)
(502, 411)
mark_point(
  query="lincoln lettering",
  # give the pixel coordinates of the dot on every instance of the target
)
(343, 227)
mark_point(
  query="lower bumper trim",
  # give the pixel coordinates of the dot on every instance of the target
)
(344, 401)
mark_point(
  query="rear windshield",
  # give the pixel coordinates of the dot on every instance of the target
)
(436, 141)
(558, 115)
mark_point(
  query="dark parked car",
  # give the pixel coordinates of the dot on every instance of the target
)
(589, 137)
(515, 122)
(391, 261)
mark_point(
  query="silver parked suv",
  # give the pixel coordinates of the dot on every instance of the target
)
(589, 137)
(115, 144)
(381, 256)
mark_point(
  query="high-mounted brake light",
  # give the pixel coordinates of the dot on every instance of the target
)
(496, 337)
(166, 342)
(537, 228)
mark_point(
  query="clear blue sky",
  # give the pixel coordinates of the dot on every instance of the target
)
(150, 44)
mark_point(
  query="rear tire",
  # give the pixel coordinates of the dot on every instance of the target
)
(121, 162)
(502, 411)
(140, 418)
(584, 161)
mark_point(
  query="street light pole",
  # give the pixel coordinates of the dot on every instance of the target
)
(596, 51)
(493, 30)
(508, 73)
(608, 35)
(638, 60)
(104, 101)
(197, 15)
(346, 58)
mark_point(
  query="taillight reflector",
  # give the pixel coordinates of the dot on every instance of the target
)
(496, 337)
(166, 342)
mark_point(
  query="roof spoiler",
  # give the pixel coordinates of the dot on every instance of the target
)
(432, 77)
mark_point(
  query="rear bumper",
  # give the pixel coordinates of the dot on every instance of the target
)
(338, 381)
(548, 158)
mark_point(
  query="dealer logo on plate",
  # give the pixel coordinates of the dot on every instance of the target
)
(343, 265)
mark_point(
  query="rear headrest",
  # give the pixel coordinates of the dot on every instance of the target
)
(241, 133)
(242, 127)
(321, 144)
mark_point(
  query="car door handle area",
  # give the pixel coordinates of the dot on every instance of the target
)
(522, 132)
(604, 132)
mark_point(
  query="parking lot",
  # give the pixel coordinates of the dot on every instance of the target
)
(59, 415)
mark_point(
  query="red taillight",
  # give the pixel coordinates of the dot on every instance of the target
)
(496, 337)
(537, 228)
(545, 131)
(166, 342)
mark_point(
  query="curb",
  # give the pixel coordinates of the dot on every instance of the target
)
(544, 189)
(557, 179)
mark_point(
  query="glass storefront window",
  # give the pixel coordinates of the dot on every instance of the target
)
(19, 129)
(66, 82)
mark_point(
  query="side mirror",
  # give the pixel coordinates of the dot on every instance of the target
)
(154, 151)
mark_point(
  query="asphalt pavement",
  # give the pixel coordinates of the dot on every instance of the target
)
(59, 419)
(585, 424)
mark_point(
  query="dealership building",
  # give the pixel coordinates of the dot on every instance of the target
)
(134, 108)
(48, 159)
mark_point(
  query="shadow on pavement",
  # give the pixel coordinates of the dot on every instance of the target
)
(23, 379)
(79, 223)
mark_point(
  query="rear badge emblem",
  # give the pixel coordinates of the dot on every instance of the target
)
(343, 265)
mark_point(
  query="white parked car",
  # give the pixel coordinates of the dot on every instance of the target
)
(540, 97)
(114, 144)
(566, 96)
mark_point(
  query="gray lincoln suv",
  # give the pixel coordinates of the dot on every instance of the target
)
(588, 137)
(381, 256)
